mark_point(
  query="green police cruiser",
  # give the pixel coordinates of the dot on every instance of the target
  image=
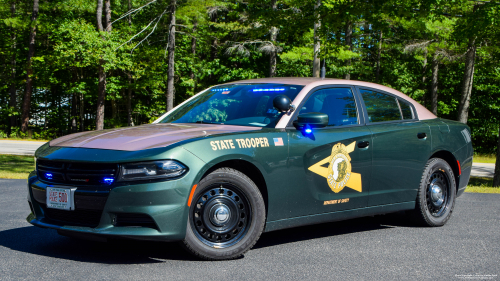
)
(254, 156)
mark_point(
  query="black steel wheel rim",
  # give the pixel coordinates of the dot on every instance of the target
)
(438, 193)
(221, 215)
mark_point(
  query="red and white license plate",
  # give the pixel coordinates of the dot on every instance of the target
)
(61, 198)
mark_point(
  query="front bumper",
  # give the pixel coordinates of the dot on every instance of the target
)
(164, 202)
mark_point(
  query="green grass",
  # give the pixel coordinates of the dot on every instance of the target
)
(21, 139)
(16, 166)
(481, 185)
(484, 158)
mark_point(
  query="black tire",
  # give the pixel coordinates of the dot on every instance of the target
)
(436, 195)
(226, 217)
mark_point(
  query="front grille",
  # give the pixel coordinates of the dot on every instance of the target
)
(132, 219)
(59, 172)
(80, 217)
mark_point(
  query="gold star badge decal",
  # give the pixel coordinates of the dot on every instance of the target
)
(339, 174)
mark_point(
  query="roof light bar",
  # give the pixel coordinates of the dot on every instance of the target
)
(269, 90)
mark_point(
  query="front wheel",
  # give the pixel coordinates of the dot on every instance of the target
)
(436, 195)
(226, 217)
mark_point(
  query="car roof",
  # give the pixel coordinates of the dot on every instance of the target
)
(310, 83)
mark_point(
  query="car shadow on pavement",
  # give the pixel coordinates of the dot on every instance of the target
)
(322, 230)
(46, 242)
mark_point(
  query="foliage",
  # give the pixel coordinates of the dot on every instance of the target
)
(224, 41)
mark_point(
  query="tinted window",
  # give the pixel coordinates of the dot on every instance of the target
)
(380, 107)
(406, 110)
(235, 104)
(337, 103)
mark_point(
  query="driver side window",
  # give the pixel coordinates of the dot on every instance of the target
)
(337, 103)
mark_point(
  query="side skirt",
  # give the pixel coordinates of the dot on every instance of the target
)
(338, 216)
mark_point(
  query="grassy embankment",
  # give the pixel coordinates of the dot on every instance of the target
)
(18, 167)
(24, 139)
(484, 159)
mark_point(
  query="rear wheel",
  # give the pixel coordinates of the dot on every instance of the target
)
(436, 195)
(226, 217)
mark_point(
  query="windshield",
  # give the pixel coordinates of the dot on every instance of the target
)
(234, 104)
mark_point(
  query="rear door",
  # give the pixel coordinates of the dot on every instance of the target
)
(401, 147)
(327, 170)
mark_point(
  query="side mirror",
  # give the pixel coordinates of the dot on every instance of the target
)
(282, 103)
(311, 120)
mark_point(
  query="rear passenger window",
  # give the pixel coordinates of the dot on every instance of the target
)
(380, 107)
(337, 103)
(405, 109)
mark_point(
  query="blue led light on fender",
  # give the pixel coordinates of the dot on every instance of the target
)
(108, 180)
(48, 176)
(269, 90)
(308, 130)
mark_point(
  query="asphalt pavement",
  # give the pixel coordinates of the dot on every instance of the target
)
(374, 248)
(19, 147)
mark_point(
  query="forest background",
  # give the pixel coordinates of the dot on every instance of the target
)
(77, 65)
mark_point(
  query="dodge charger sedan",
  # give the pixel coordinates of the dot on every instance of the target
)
(253, 156)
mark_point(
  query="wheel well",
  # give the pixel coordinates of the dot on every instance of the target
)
(250, 170)
(451, 160)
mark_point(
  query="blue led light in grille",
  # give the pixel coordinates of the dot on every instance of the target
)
(108, 180)
(48, 176)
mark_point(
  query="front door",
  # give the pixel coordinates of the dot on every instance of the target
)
(329, 169)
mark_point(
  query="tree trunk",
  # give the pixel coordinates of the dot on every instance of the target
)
(114, 111)
(463, 107)
(171, 57)
(73, 113)
(317, 45)
(25, 117)
(107, 10)
(348, 43)
(193, 53)
(99, 15)
(130, 121)
(496, 177)
(82, 114)
(379, 54)
(424, 77)
(101, 92)
(273, 34)
(13, 90)
(434, 88)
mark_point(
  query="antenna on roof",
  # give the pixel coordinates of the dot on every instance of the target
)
(323, 69)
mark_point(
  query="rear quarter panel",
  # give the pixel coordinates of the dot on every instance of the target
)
(454, 137)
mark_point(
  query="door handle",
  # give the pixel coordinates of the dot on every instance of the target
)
(421, 135)
(363, 144)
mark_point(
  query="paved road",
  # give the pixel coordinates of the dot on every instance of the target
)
(483, 170)
(383, 247)
(19, 147)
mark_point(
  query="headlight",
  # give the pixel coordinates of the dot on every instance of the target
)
(151, 170)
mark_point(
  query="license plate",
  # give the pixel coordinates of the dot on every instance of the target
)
(62, 198)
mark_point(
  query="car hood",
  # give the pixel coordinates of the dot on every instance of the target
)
(144, 136)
